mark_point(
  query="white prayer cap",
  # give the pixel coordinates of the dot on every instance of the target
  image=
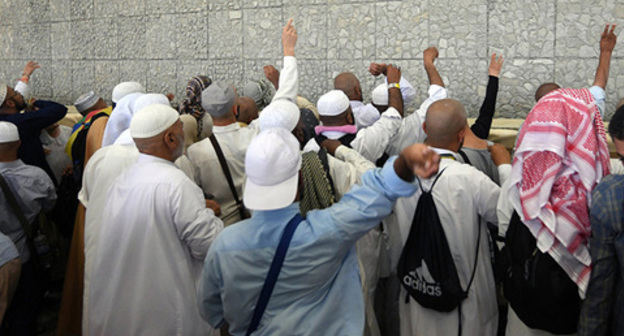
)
(8, 132)
(86, 101)
(125, 88)
(3, 93)
(218, 99)
(280, 113)
(149, 99)
(272, 166)
(380, 95)
(333, 103)
(152, 120)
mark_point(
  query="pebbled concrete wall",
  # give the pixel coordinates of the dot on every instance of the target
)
(94, 44)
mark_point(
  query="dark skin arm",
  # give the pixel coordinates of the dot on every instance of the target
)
(395, 98)
(429, 56)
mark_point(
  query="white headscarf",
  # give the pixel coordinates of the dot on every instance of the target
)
(119, 119)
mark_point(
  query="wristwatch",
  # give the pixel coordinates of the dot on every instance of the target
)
(394, 85)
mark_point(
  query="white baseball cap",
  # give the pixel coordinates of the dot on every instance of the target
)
(8, 132)
(272, 166)
(280, 113)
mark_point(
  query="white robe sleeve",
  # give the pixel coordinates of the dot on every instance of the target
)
(197, 226)
(436, 92)
(288, 81)
(23, 88)
(347, 168)
(372, 141)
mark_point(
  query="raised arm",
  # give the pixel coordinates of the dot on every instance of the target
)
(607, 43)
(395, 98)
(289, 78)
(482, 125)
(22, 85)
(407, 90)
(429, 56)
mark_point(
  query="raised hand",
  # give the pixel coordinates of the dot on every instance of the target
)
(430, 54)
(272, 74)
(608, 39)
(377, 69)
(496, 63)
(289, 38)
(30, 67)
(393, 74)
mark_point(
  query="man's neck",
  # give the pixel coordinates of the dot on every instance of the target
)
(453, 148)
(8, 158)
(8, 111)
(223, 121)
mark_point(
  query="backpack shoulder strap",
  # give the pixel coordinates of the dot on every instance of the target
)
(432, 185)
(276, 266)
(464, 156)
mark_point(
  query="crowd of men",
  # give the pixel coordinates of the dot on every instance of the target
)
(254, 211)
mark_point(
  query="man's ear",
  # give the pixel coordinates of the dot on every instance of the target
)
(424, 127)
(350, 119)
(170, 139)
(358, 92)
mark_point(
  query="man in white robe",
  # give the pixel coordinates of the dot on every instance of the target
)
(218, 100)
(461, 195)
(155, 233)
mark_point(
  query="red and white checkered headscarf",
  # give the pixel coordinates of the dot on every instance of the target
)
(561, 156)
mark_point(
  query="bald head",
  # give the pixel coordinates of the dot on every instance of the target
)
(247, 109)
(545, 89)
(349, 84)
(445, 124)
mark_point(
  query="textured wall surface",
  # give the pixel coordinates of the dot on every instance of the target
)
(94, 44)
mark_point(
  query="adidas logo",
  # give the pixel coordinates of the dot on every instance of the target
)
(421, 280)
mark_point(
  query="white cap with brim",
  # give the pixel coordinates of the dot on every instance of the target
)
(8, 132)
(218, 99)
(280, 113)
(333, 103)
(125, 88)
(272, 166)
(380, 95)
(86, 101)
(152, 120)
(3, 93)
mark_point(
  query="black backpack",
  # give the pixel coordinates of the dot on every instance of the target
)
(538, 289)
(426, 268)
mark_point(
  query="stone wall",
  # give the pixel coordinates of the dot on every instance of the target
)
(94, 44)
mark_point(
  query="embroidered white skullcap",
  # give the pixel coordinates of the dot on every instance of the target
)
(8, 132)
(152, 120)
(333, 103)
(272, 164)
(125, 88)
(86, 101)
(3, 93)
(218, 99)
(149, 99)
(380, 95)
(280, 113)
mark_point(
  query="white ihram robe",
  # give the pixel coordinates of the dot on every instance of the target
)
(154, 235)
